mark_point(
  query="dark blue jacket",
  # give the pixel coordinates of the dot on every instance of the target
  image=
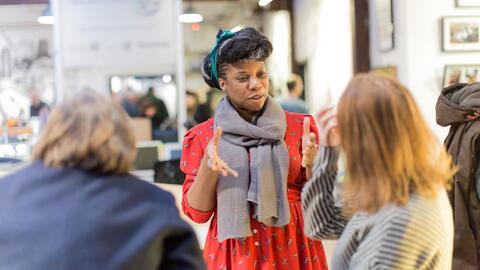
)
(70, 219)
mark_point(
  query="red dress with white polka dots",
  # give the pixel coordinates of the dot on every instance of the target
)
(269, 247)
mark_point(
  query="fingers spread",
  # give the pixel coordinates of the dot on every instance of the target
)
(212, 164)
(331, 127)
(217, 135)
(228, 171)
(326, 118)
(306, 125)
(324, 110)
(313, 137)
(232, 172)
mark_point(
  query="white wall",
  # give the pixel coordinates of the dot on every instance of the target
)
(324, 41)
(276, 27)
(418, 54)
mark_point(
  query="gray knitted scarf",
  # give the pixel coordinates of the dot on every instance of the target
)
(262, 181)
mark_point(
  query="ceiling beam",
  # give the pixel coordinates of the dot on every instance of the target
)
(22, 2)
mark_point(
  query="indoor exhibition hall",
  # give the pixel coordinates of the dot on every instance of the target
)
(239, 134)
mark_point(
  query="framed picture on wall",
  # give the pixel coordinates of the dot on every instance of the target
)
(467, 3)
(461, 34)
(461, 74)
(386, 70)
(384, 16)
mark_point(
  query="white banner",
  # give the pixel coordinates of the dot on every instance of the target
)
(117, 32)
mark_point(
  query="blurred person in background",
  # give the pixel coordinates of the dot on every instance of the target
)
(293, 103)
(37, 106)
(205, 110)
(77, 207)
(158, 113)
(244, 167)
(129, 103)
(458, 106)
(393, 212)
(191, 102)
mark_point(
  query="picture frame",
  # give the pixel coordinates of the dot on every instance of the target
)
(461, 34)
(390, 71)
(461, 74)
(385, 25)
(468, 3)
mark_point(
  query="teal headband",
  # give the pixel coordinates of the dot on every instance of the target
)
(221, 36)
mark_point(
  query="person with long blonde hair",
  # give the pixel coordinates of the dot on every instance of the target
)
(393, 211)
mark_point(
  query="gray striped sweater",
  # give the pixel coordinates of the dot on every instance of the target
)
(418, 235)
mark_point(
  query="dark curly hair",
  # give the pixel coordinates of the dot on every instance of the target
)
(246, 44)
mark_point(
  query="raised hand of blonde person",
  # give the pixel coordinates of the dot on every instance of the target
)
(309, 147)
(328, 127)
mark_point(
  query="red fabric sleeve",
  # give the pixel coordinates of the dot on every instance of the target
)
(192, 153)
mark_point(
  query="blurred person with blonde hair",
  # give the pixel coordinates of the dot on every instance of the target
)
(77, 207)
(393, 212)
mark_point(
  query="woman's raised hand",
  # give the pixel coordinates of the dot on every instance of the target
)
(309, 145)
(328, 127)
(214, 162)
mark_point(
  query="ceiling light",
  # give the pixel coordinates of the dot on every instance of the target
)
(166, 78)
(190, 16)
(46, 17)
(263, 3)
(116, 84)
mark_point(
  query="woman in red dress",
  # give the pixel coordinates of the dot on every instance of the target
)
(247, 165)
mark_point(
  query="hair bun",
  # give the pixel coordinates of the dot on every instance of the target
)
(246, 44)
(206, 71)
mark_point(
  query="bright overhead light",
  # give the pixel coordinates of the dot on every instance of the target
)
(116, 84)
(46, 17)
(166, 78)
(263, 3)
(45, 20)
(190, 16)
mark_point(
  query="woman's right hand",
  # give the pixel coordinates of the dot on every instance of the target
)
(214, 162)
(328, 127)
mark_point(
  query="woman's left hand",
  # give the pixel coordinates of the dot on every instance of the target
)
(309, 147)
